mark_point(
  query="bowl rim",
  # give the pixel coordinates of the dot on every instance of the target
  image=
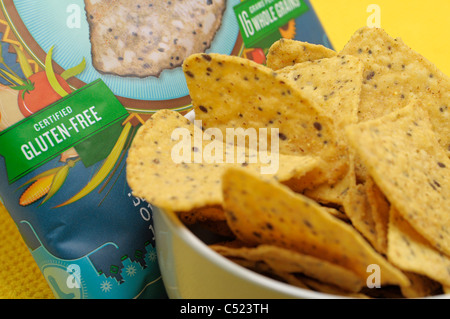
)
(247, 275)
(189, 238)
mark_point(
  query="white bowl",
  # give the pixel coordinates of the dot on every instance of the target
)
(191, 270)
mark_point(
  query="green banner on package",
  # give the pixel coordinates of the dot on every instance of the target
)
(261, 18)
(44, 135)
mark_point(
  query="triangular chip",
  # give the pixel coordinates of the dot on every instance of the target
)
(357, 208)
(213, 214)
(336, 213)
(231, 92)
(334, 83)
(264, 269)
(402, 155)
(421, 286)
(330, 194)
(409, 251)
(286, 52)
(185, 184)
(367, 208)
(329, 290)
(379, 208)
(264, 212)
(394, 75)
(284, 260)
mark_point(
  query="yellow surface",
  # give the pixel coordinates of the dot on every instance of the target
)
(423, 25)
(19, 275)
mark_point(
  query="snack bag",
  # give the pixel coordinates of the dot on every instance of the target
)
(77, 80)
(63, 182)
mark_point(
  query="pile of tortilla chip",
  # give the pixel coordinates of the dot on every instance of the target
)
(359, 204)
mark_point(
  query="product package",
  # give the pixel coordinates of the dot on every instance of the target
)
(77, 79)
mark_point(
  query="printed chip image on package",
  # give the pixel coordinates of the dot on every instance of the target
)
(77, 80)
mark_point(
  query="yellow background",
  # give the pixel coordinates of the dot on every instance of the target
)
(423, 25)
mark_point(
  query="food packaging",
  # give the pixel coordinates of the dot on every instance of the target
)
(77, 80)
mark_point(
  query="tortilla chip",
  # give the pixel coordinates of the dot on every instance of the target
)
(409, 251)
(330, 289)
(330, 194)
(379, 207)
(202, 214)
(286, 52)
(388, 292)
(265, 212)
(293, 280)
(310, 180)
(358, 210)
(210, 219)
(219, 228)
(421, 286)
(284, 260)
(258, 267)
(333, 83)
(231, 92)
(336, 213)
(265, 270)
(153, 174)
(446, 289)
(403, 156)
(395, 75)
